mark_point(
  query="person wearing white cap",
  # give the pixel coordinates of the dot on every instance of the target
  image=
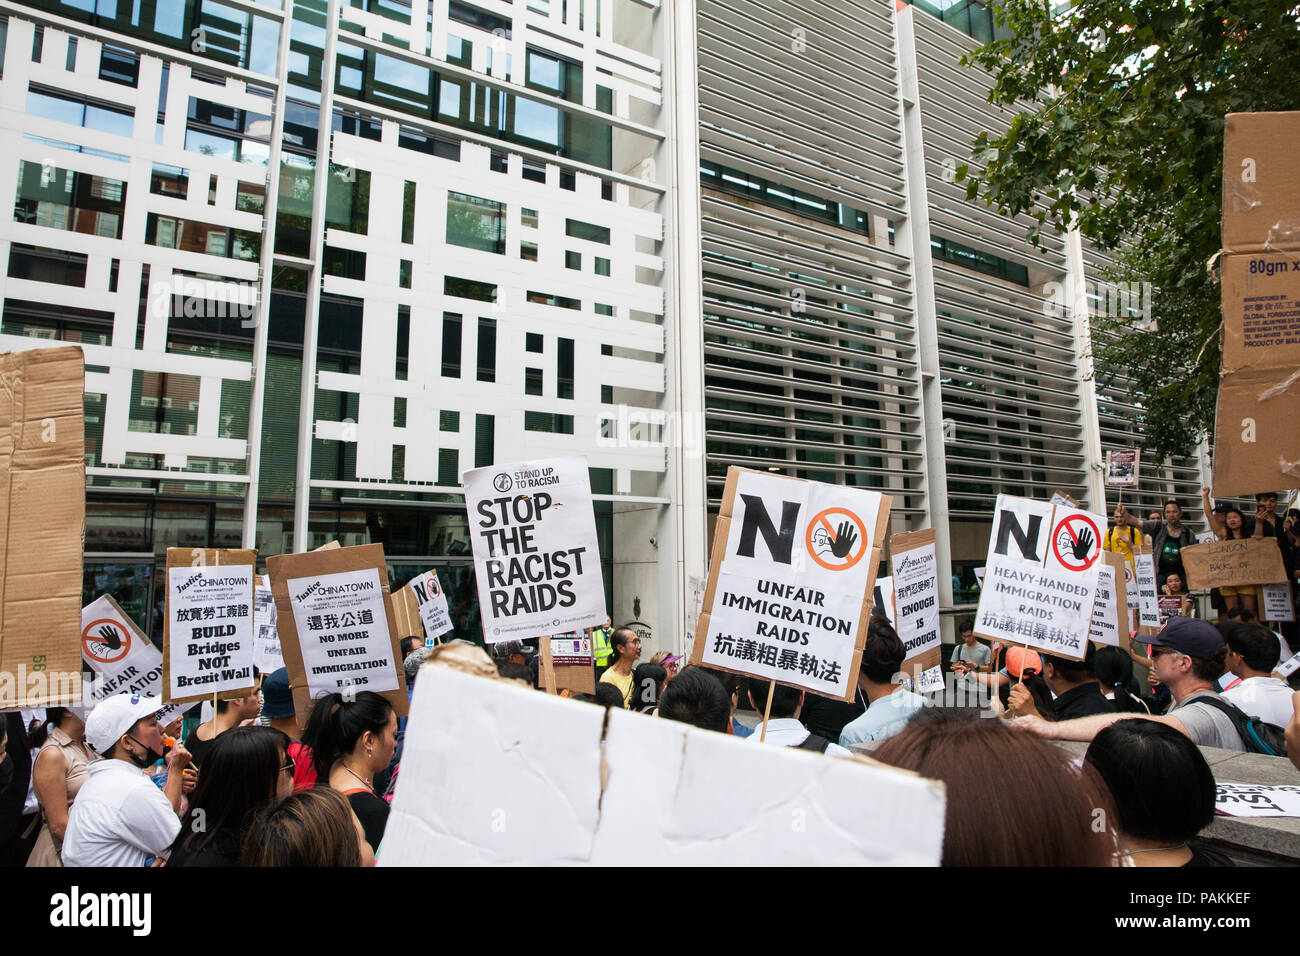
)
(120, 817)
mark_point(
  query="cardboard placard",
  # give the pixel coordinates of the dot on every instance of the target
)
(790, 581)
(406, 613)
(1277, 604)
(1110, 607)
(1261, 181)
(1144, 564)
(431, 600)
(572, 661)
(536, 557)
(1288, 667)
(42, 525)
(208, 624)
(1237, 561)
(1257, 800)
(915, 567)
(353, 576)
(1122, 468)
(1059, 497)
(1256, 443)
(123, 659)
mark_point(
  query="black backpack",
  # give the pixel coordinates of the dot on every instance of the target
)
(814, 743)
(1258, 736)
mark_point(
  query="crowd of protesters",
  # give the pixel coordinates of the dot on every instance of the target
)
(256, 786)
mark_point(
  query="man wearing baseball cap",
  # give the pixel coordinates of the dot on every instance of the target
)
(1187, 656)
(120, 817)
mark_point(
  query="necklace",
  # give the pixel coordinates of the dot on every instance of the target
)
(362, 780)
(1153, 849)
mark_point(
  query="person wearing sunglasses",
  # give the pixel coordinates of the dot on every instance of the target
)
(1187, 656)
(246, 768)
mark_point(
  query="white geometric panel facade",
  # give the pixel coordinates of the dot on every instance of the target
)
(187, 223)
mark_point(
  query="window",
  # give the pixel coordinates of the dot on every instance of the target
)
(469, 289)
(586, 230)
(450, 345)
(408, 212)
(528, 217)
(533, 342)
(476, 223)
(602, 266)
(62, 199)
(572, 260)
(448, 466)
(449, 421)
(487, 350)
(564, 368)
(528, 251)
(559, 301)
(532, 381)
(484, 440)
(546, 422)
(404, 273)
(554, 75)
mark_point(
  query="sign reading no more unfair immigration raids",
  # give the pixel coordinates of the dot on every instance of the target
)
(1041, 577)
(208, 638)
(790, 581)
(536, 557)
(343, 632)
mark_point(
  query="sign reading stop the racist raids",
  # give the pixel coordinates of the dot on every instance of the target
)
(1041, 577)
(208, 638)
(335, 628)
(432, 603)
(123, 659)
(913, 560)
(790, 581)
(536, 558)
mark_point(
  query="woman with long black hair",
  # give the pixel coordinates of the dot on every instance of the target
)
(244, 769)
(351, 741)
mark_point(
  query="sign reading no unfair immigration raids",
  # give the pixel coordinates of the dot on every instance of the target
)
(915, 567)
(208, 638)
(536, 558)
(1041, 577)
(431, 600)
(790, 581)
(123, 659)
(335, 628)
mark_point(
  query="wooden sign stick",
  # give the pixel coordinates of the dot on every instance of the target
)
(548, 665)
(767, 710)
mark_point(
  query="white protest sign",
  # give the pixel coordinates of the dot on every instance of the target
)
(1287, 667)
(267, 655)
(931, 681)
(1122, 468)
(1104, 628)
(1206, 536)
(979, 576)
(568, 784)
(1255, 800)
(882, 599)
(1277, 602)
(790, 580)
(1130, 587)
(432, 602)
(210, 636)
(913, 560)
(571, 650)
(123, 659)
(343, 632)
(1148, 598)
(536, 557)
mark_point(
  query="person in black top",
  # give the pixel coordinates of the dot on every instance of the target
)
(230, 713)
(246, 768)
(351, 741)
(1078, 694)
(1163, 791)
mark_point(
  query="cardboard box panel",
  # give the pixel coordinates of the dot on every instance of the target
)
(1256, 433)
(1261, 181)
(1261, 311)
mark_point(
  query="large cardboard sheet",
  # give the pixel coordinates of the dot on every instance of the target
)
(208, 627)
(350, 586)
(42, 526)
(494, 773)
(1217, 564)
(790, 581)
(536, 557)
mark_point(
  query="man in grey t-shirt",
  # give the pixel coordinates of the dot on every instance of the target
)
(1187, 657)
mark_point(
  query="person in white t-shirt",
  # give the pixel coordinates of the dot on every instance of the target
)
(1253, 652)
(121, 818)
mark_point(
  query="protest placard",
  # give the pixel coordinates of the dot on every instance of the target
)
(431, 602)
(1205, 536)
(1288, 666)
(1061, 498)
(1216, 564)
(598, 789)
(1257, 800)
(405, 608)
(790, 581)
(882, 598)
(208, 624)
(267, 656)
(335, 624)
(572, 663)
(1110, 607)
(536, 558)
(1122, 468)
(1277, 604)
(915, 566)
(123, 659)
(43, 515)
(1041, 576)
(1144, 564)
(1169, 605)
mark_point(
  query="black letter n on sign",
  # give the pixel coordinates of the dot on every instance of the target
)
(1027, 541)
(757, 519)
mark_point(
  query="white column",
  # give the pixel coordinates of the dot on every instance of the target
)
(1077, 291)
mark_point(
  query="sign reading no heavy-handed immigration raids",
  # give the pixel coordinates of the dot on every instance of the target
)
(336, 627)
(536, 558)
(431, 601)
(790, 581)
(208, 632)
(915, 564)
(1041, 577)
(123, 659)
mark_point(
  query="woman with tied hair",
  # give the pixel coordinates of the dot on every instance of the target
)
(58, 771)
(1163, 790)
(1013, 799)
(352, 741)
(313, 828)
(245, 768)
